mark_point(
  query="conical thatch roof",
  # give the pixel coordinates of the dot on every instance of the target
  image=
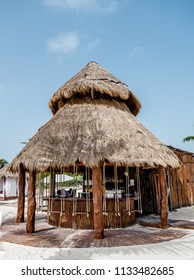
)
(95, 81)
(92, 131)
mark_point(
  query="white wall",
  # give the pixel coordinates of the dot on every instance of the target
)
(11, 187)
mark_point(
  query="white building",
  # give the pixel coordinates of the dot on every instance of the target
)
(8, 184)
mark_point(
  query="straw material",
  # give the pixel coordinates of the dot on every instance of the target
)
(91, 131)
(93, 80)
(5, 173)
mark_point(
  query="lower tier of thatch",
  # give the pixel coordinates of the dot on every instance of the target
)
(92, 132)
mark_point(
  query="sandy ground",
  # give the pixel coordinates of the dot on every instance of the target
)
(177, 249)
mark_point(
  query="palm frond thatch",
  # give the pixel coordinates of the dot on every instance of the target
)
(94, 80)
(91, 131)
(4, 172)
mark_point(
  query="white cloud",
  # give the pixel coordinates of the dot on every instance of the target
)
(107, 6)
(95, 44)
(64, 43)
(135, 51)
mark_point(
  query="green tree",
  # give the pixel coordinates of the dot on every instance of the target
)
(188, 138)
(3, 162)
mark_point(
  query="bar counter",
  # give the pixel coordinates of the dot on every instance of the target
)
(78, 213)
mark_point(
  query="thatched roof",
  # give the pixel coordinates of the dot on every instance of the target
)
(92, 131)
(93, 80)
(181, 152)
(5, 173)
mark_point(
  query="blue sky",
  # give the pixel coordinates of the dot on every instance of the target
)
(148, 44)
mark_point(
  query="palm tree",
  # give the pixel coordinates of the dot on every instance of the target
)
(188, 138)
(3, 162)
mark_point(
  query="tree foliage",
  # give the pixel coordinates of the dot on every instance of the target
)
(188, 138)
(3, 162)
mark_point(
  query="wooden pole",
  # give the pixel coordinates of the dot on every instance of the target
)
(97, 203)
(163, 199)
(30, 224)
(21, 195)
(52, 184)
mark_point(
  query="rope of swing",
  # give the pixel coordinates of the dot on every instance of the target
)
(87, 191)
(127, 197)
(74, 193)
(139, 191)
(117, 207)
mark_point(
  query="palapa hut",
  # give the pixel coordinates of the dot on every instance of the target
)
(94, 128)
(180, 184)
(9, 184)
(182, 180)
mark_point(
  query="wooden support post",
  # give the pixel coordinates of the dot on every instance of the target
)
(52, 184)
(30, 224)
(21, 195)
(97, 203)
(163, 199)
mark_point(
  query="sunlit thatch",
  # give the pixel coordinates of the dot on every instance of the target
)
(93, 80)
(95, 124)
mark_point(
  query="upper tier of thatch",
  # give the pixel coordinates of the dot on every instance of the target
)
(93, 80)
(91, 131)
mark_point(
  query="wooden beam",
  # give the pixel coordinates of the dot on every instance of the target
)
(30, 224)
(52, 183)
(97, 203)
(21, 195)
(163, 199)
